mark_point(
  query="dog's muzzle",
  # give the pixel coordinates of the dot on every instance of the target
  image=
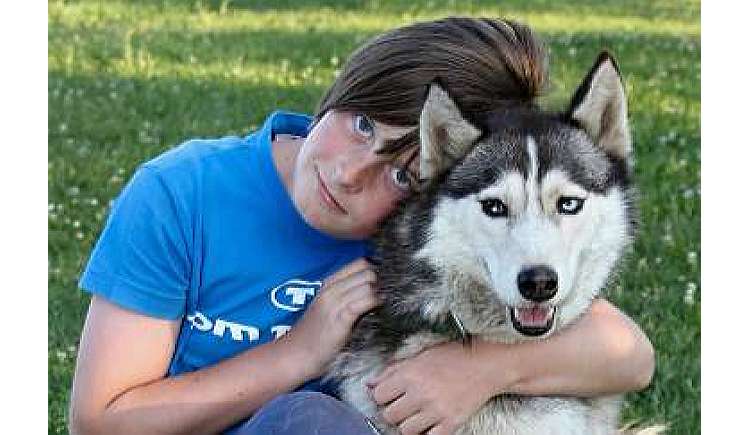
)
(537, 284)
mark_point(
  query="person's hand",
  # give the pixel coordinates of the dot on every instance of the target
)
(323, 330)
(434, 392)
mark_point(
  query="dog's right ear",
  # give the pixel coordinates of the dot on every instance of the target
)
(444, 134)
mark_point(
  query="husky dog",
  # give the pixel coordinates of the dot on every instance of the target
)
(520, 225)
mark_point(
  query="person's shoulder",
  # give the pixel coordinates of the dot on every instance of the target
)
(285, 121)
(195, 151)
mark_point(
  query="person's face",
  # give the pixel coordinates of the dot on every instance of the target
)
(340, 184)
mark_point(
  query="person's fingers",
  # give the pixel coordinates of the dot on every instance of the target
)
(440, 430)
(386, 391)
(347, 306)
(417, 424)
(351, 268)
(400, 409)
(360, 300)
(338, 290)
(382, 376)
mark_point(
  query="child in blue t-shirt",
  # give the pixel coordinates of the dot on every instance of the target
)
(231, 270)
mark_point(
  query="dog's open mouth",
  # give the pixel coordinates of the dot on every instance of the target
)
(533, 320)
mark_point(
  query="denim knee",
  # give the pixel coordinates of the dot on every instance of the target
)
(305, 412)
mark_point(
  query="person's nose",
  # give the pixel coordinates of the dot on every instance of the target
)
(356, 170)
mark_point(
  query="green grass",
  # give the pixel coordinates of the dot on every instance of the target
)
(128, 80)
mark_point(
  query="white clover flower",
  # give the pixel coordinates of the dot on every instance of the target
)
(689, 297)
(692, 258)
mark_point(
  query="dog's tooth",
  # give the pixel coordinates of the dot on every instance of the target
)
(551, 313)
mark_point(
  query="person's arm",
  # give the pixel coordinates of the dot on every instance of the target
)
(120, 384)
(603, 353)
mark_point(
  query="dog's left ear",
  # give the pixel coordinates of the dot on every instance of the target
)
(600, 106)
(444, 134)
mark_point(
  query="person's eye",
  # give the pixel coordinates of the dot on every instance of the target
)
(363, 125)
(402, 178)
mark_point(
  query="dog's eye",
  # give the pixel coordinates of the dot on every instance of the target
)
(569, 205)
(494, 208)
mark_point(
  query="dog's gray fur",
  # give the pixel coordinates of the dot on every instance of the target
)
(441, 257)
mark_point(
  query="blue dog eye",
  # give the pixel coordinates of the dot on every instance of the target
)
(569, 205)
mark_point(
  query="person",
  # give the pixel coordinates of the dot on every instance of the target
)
(231, 271)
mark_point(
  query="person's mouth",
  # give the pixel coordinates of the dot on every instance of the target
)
(326, 196)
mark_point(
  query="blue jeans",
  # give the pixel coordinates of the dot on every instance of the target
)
(305, 413)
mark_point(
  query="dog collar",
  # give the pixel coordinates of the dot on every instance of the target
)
(454, 328)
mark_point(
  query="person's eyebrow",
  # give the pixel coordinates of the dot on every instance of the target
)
(411, 158)
(414, 172)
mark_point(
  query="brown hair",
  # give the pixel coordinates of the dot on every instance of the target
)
(483, 63)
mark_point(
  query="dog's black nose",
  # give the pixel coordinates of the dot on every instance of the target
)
(537, 283)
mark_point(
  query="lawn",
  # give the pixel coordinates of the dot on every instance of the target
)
(129, 79)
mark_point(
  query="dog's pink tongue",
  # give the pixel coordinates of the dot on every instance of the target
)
(535, 316)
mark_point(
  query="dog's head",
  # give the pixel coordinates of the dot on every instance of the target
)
(532, 209)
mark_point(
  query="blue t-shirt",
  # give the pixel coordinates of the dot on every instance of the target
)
(207, 233)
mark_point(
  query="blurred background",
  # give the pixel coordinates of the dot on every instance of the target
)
(130, 79)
